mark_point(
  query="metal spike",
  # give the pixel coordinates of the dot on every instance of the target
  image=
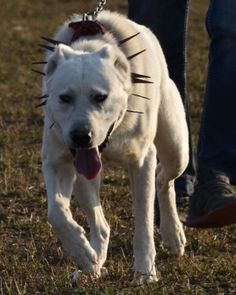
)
(42, 104)
(54, 42)
(141, 96)
(41, 97)
(135, 75)
(134, 55)
(39, 63)
(51, 48)
(136, 112)
(137, 80)
(127, 39)
(38, 72)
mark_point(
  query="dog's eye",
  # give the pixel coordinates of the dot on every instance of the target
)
(100, 97)
(65, 98)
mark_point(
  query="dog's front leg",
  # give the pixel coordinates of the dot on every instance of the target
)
(59, 180)
(87, 192)
(143, 190)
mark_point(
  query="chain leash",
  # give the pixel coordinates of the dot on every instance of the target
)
(99, 8)
(93, 15)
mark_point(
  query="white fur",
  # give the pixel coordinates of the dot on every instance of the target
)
(99, 64)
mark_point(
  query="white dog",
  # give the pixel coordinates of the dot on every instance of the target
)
(107, 97)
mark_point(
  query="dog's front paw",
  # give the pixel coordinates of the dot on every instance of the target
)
(174, 238)
(79, 276)
(141, 279)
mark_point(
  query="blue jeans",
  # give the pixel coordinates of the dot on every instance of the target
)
(168, 19)
(217, 143)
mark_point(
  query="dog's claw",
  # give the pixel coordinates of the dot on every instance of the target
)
(141, 279)
(79, 276)
(104, 271)
(75, 275)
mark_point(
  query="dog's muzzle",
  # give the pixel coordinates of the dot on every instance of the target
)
(87, 159)
(81, 138)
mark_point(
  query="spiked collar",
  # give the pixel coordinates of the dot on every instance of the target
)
(86, 28)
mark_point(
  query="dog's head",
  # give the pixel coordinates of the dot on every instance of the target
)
(88, 94)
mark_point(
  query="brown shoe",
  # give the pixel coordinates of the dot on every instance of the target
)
(213, 203)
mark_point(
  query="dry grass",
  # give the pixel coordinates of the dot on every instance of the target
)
(31, 259)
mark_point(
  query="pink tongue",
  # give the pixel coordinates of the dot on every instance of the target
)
(88, 162)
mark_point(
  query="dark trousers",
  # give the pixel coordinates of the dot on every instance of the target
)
(217, 139)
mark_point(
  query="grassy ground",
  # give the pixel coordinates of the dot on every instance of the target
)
(31, 259)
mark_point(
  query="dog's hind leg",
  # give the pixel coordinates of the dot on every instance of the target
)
(142, 178)
(172, 150)
(59, 178)
(170, 228)
(87, 193)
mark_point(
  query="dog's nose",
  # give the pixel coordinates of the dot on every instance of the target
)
(81, 138)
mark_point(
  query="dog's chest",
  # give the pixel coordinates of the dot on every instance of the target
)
(126, 151)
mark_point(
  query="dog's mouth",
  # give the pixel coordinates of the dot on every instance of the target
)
(88, 161)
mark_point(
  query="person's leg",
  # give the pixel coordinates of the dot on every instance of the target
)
(168, 21)
(217, 145)
(217, 140)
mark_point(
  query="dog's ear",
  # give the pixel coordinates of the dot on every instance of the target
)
(61, 52)
(118, 58)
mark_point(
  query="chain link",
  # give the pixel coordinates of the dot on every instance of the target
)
(99, 8)
(93, 15)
